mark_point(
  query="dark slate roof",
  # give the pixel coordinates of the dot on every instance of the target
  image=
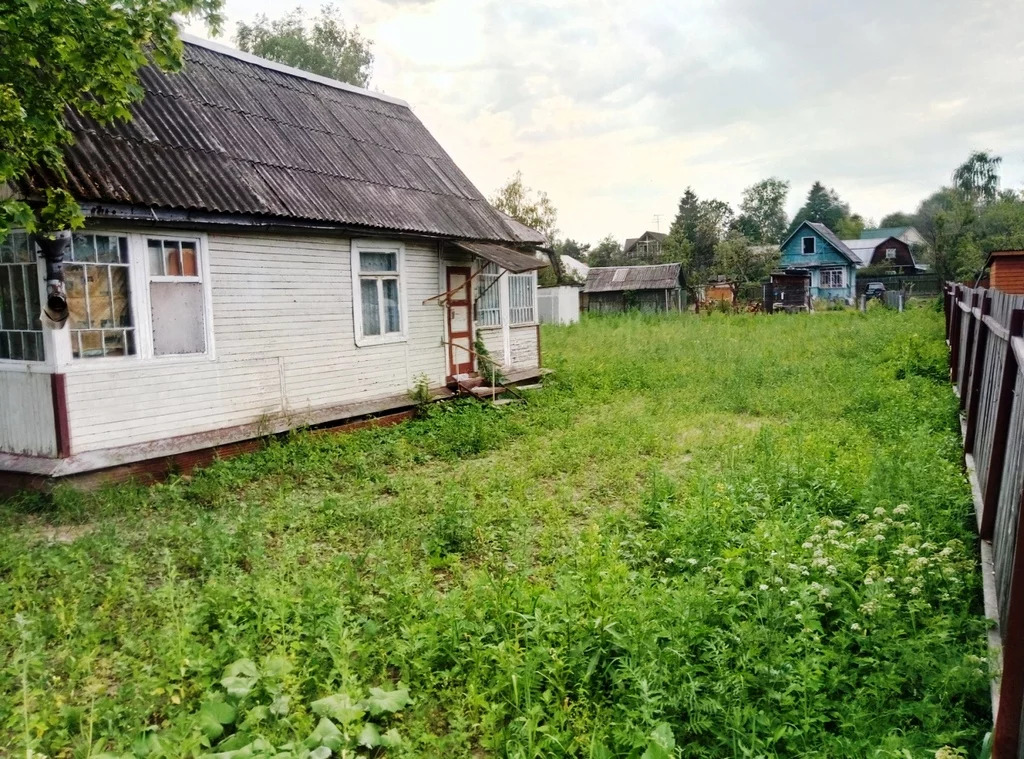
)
(632, 241)
(236, 134)
(608, 279)
(511, 260)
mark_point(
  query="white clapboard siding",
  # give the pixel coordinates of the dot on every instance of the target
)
(284, 342)
(523, 342)
(523, 352)
(26, 414)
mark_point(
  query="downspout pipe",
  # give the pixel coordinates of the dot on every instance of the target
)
(53, 248)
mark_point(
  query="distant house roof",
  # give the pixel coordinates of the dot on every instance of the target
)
(907, 234)
(829, 236)
(865, 249)
(608, 279)
(574, 266)
(235, 134)
(632, 241)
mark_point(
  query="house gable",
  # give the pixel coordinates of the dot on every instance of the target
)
(902, 255)
(826, 252)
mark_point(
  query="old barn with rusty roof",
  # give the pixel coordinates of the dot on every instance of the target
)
(644, 288)
(264, 248)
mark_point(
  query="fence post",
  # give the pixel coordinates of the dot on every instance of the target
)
(947, 306)
(956, 324)
(972, 331)
(977, 378)
(1006, 733)
(1004, 407)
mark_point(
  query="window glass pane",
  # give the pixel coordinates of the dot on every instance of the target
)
(520, 292)
(7, 250)
(17, 295)
(83, 248)
(107, 250)
(172, 258)
(74, 284)
(155, 251)
(92, 343)
(189, 260)
(179, 321)
(99, 297)
(375, 262)
(101, 309)
(121, 313)
(371, 307)
(391, 316)
(488, 304)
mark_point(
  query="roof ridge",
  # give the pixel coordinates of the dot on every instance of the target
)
(250, 161)
(222, 49)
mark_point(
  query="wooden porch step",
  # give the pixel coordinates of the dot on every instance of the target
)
(486, 392)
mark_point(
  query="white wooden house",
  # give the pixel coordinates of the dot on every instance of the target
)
(264, 248)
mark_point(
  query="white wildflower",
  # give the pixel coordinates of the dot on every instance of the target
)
(869, 580)
(855, 627)
(879, 538)
(762, 586)
(890, 579)
(808, 544)
(692, 562)
(831, 570)
(879, 512)
(901, 509)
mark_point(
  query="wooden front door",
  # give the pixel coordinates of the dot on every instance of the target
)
(460, 320)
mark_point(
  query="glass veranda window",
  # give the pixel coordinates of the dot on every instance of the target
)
(99, 297)
(21, 332)
(521, 290)
(378, 290)
(488, 300)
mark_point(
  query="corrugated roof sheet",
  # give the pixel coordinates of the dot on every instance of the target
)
(882, 232)
(231, 134)
(864, 250)
(512, 260)
(606, 279)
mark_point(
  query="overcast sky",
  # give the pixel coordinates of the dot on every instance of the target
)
(613, 108)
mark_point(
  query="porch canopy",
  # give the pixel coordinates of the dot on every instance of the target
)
(511, 260)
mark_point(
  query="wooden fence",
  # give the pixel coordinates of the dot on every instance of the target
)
(985, 332)
(915, 284)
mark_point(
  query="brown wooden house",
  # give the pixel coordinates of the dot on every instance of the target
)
(1006, 271)
(889, 252)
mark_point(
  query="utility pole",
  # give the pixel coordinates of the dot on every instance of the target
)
(657, 222)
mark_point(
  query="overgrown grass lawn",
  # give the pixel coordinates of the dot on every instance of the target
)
(721, 536)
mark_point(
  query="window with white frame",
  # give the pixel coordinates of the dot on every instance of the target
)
(890, 254)
(521, 292)
(832, 279)
(808, 246)
(176, 296)
(100, 318)
(378, 293)
(488, 299)
(21, 331)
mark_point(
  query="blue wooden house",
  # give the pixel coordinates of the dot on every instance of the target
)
(829, 262)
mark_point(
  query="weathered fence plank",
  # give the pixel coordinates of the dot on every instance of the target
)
(985, 333)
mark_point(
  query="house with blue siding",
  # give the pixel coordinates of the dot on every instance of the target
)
(831, 264)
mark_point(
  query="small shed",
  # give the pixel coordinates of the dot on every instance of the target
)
(558, 305)
(789, 290)
(1007, 271)
(641, 288)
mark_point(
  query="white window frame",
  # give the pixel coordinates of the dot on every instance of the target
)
(203, 278)
(378, 246)
(814, 245)
(890, 254)
(842, 278)
(138, 283)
